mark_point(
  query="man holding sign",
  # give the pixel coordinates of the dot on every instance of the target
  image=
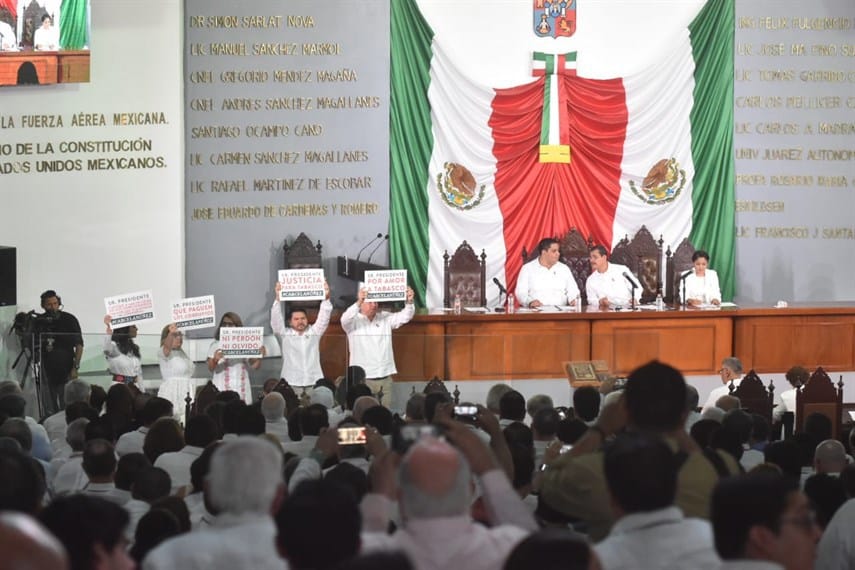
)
(369, 338)
(301, 356)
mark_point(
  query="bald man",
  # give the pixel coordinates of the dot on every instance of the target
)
(26, 545)
(434, 494)
(829, 457)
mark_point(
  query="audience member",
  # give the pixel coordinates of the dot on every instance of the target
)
(537, 403)
(165, 435)
(243, 489)
(153, 528)
(829, 457)
(92, 531)
(738, 423)
(544, 429)
(826, 495)
(552, 549)
(99, 464)
(760, 432)
(27, 545)
(250, 421)
(731, 376)
(586, 404)
(511, 408)
(154, 409)
(728, 403)
(23, 487)
(66, 473)
(415, 409)
(312, 420)
(650, 532)
(304, 527)
(273, 410)
(692, 401)
(13, 406)
(494, 395)
(571, 430)
(75, 391)
(654, 400)
(763, 518)
(178, 508)
(797, 376)
(836, 549)
(785, 454)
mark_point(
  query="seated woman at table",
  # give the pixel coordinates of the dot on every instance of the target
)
(231, 373)
(701, 285)
(122, 354)
(176, 369)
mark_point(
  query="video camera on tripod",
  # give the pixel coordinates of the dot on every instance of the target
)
(29, 327)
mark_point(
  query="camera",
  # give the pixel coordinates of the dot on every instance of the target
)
(351, 436)
(466, 413)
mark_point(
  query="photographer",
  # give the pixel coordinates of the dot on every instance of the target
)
(58, 335)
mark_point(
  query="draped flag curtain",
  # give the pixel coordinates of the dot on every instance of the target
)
(74, 28)
(653, 148)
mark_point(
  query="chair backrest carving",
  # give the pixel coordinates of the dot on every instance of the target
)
(820, 395)
(643, 256)
(302, 254)
(32, 20)
(676, 262)
(575, 253)
(754, 397)
(8, 17)
(465, 274)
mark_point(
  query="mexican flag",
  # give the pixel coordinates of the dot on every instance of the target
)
(504, 167)
(74, 27)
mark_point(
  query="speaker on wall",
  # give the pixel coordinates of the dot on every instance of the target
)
(8, 283)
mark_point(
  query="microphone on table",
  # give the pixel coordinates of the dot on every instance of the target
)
(367, 245)
(501, 287)
(686, 274)
(683, 282)
(634, 287)
(373, 251)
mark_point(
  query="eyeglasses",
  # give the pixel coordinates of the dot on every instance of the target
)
(806, 521)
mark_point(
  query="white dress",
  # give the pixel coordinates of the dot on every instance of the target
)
(231, 374)
(177, 373)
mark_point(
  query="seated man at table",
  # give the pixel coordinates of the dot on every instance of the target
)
(608, 285)
(7, 37)
(546, 281)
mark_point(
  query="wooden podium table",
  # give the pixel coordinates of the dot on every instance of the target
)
(533, 345)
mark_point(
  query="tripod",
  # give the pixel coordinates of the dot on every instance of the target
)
(30, 349)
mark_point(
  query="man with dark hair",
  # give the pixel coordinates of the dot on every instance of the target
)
(586, 404)
(764, 518)
(308, 537)
(432, 401)
(511, 408)
(654, 400)
(379, 418)
(199, 433)
(415, 410)
(836, 550)
(737, 424)
(60, 345)
(797, 376)
(251, 421)
(23, 485)
(545, 280)
(92, 531)
(301, 356)
(650, 532)
(354, 393)
(312, 420)
(99, 464)
(608, 284)
(231, 418)
(154, 409)
(786, 455)
(13, 405)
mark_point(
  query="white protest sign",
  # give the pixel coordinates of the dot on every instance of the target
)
(301, 285)
(387, 285)
(245, 342)
(130, 308)
(194, 313)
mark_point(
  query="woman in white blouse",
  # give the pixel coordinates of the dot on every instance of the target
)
(122, 354)
(176, 369)
(231, 373)
(701, 286)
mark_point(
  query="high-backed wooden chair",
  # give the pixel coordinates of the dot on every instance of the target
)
(819, 395)
(676, 262)
(576, 254)
(31, 21)
(643, 256)
(302, 254)
(435, 384)
(465, 274)
(754, 397)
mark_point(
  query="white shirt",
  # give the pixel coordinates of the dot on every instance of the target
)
(131, 442)
(70, 478)
(196, 505)
(550, 285)
(836, 549)
(8, 39)
(751, 458)
(704, 289)
(752, 565)
(55, 427)
(107, 491)
(786, 403)
(658, 539)
(232, 542)
(301, 448)
(119, 363)
(301, 355)
(46, 39)
(716, 393)
(612, 285)
(177, 464)
(370, 341)
(279, 429)
(176, 365)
